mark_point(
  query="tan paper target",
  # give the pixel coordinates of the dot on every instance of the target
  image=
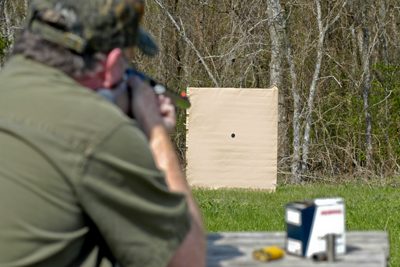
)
(232, 137)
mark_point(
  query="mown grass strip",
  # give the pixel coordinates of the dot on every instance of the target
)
(367, 208)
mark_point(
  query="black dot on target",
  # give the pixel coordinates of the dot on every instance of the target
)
(233, 135)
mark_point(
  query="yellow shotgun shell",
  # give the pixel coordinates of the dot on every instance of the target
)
(269, 253)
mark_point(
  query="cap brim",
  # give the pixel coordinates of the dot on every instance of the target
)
(146, 43)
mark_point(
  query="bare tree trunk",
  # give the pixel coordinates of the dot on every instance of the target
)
(17, 21)
(366, 85)
(385, 55)
(310, 103)
(8, 21)
(276, 31)
(313, 87)
(296, 164)
(353, 32)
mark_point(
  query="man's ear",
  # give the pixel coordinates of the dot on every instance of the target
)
(113, 69)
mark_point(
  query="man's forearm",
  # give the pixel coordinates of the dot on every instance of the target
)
(167, 161)
(153, 117)
(192, 251)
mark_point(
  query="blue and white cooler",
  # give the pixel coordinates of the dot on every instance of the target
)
(308, 223)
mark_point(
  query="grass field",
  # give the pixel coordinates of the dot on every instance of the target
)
(367, 208)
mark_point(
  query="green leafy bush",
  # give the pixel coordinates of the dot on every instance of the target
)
(3, 46)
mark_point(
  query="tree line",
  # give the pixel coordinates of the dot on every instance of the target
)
(335, 62)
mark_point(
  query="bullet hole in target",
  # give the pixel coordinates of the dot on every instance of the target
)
(233, 135)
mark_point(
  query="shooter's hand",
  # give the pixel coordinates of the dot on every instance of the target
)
(148, 110)
(167, 110)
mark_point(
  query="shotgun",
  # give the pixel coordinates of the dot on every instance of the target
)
(178, 100)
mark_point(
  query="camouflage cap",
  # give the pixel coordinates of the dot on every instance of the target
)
(91, 25)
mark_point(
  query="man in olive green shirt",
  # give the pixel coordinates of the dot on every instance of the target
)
(75, 171)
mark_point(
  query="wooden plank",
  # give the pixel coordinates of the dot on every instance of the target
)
(369, 249)
(242, 257)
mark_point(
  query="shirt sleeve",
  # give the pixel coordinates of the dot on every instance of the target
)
(126, 196)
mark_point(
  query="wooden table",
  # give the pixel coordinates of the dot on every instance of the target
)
(364, 249)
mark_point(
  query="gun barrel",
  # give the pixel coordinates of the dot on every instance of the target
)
(177, 100)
